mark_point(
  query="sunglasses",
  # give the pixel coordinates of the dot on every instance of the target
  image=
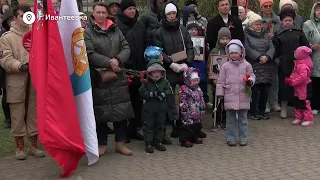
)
(267, 6)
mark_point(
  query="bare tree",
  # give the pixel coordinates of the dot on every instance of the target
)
(80, 5)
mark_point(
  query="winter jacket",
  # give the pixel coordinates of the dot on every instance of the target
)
(13, 56)
(152, 85)
(150, 19)
(135, 33)
(111, 100)
(215, 24)
(311, 29)
(301, 73)
(286, 41)
(191, 103)
(271, 26)
(168, 37)
(230, 82)
(259, 44)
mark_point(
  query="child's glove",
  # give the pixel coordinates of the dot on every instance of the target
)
(162, 96)
(153, 94)
(184, 66)
(175, 67)
(142, 77)
(288, 81)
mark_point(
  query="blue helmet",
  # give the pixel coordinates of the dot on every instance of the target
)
(152, 53)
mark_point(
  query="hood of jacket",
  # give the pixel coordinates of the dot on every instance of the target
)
(187, 75)
(302, 55)
(16, 28)
(127, 20)
(312, 16)
(239, 43)
(169, 25)
(153, 66)
(110, 25)
(7, 15)
(187, 10)
(153, 6)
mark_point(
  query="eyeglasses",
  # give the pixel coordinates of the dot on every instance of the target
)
(267, 6)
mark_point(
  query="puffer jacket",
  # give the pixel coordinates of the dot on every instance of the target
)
(230, 82)
(111, 100)
(301, 73)
(259, 44)
(191, 103)
(168, 37)
(150, 19)
(311, 29)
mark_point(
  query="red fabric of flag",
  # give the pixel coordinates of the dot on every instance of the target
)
(57, 119)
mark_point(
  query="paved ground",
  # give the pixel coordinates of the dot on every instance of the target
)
(276, 150)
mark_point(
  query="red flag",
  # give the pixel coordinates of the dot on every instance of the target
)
(57, 119)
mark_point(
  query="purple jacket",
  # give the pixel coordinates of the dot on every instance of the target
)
(230, 82)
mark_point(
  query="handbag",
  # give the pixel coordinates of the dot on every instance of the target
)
(181, 55)
(108, 76)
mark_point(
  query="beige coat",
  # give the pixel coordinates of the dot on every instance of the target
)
(13, 56)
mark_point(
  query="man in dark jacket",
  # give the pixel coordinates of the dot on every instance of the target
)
(6, 24)
(173, 38)
(150, 17)
(108, 49)
(135, 33)
(224, 19)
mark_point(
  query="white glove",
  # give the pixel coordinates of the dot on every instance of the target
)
(175, 67)
(184, 66)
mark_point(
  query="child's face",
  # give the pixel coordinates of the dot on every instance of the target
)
(194, 82)
(224, 41)
(287, 22)
(193, 31)
(156, 74)
(234, 56)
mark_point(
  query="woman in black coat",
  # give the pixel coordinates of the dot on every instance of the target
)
(286, 41)
(173, 38)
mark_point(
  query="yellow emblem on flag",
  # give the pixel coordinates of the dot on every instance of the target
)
(79, 53)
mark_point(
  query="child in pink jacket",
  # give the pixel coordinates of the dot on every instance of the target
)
(234, 76)
(300, 80)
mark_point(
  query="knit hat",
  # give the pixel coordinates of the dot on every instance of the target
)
(285, 2)
(193, 24)
(126, 4)
(253, 17)
(241, 8)
(194, 75)
(155, 67)
(262, 2)
(287, 12)
(170, 8)
(235, 48)
(224, 32)
(295, 6)
(189, 2)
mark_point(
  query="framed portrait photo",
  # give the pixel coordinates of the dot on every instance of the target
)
(216, 61)
(199, 45)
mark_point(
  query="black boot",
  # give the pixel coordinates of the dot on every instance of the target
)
(7, 123)
(149, 148)
(160, 147)
(166, 140)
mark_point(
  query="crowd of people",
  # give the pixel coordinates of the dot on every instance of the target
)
(273, 63)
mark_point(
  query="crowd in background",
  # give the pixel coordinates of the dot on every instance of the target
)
(269, 56)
